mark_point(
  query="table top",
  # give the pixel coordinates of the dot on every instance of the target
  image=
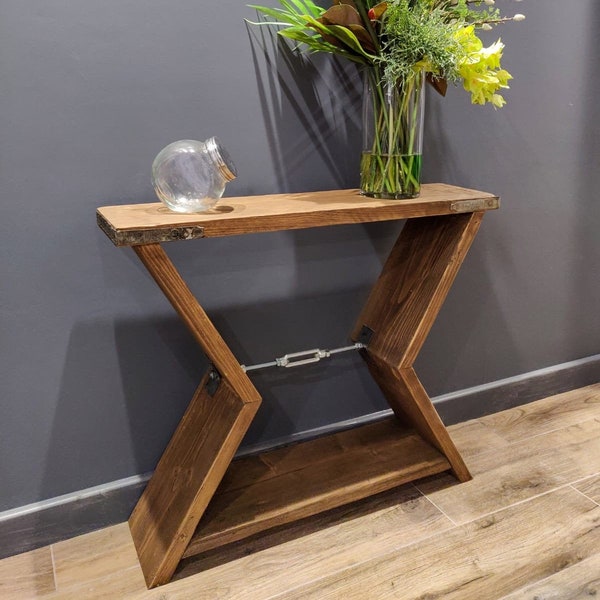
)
(137, 224)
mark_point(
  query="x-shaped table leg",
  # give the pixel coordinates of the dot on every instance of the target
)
(401, 310)
(398, 315)
(204, 443)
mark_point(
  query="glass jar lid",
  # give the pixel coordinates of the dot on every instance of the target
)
(222, 159)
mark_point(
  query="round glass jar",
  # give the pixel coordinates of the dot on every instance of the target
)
(190, 176)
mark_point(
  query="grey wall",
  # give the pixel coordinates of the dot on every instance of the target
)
(95, 368)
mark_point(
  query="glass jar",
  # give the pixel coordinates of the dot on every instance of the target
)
(190, 176)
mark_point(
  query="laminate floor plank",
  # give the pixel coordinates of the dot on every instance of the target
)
(590, 487)
(275, 570)
(542, 416)
(520, 471)
(28, 575)
(93, 556)
(580, 581)
(474, 437)
(485, 559)
(118, 585)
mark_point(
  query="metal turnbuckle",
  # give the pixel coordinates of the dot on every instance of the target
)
(296, 359)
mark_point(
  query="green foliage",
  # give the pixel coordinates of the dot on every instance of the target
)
(399, 38)
(417, 37)
(326, 30)
(463, 11)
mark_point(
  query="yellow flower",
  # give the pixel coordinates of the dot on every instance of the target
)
(468, 40)
(498, 101)
(492, 54)
(480, 68)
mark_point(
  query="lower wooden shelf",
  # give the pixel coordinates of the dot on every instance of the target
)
(290, 483)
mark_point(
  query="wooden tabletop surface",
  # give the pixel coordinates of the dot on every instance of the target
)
(135, 224)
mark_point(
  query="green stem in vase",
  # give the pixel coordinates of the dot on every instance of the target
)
(391, 162)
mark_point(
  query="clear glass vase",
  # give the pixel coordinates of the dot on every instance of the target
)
(392, 136)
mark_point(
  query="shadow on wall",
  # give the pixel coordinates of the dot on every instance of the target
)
(313, 135)
(441, 162)
(460, 337)
(144, 371)
(301, 398)
(151, 367)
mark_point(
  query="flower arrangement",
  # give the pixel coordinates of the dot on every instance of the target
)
(402, 43)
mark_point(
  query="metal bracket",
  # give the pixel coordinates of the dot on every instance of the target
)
(463, 206)
(214, 380)
(365, 335)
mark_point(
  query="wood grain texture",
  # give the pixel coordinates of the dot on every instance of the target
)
(560, 410)
(308, 478)
(186, 477)
(411, 404)
(193, 315)
(590, 487)
(120, 584)
(391, 523)
(380, 514)
(473, 438)
(133, 224)
(476, 560)
(27, 575)
(522, 470)
(472, 562)
(578, 581)
(413, 285)
(93, 556)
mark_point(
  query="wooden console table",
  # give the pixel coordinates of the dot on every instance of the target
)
(196, 500)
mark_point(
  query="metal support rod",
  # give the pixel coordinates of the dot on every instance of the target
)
(312, 356)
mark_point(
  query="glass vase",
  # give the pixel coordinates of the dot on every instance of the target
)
(392, 136)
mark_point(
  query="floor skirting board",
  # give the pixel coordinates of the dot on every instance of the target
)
(36, 525)
(490, 398)
(43, 523)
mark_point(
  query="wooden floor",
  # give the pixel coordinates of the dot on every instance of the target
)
(527, 527)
